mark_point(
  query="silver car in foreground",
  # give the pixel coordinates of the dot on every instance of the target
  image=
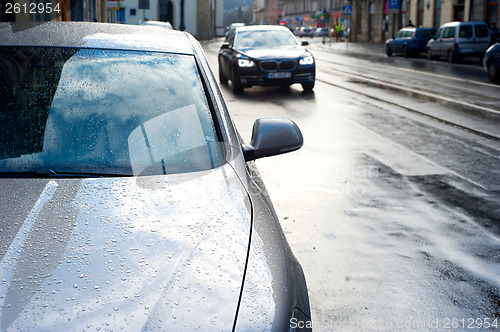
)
(128, 201)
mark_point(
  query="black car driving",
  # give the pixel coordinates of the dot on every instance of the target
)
(265, 55)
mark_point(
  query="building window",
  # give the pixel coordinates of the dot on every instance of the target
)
(492, 12)
(458, 11)
(371, 21)
(402, 13)
(437, 14)
(359, 11)
(420, 13)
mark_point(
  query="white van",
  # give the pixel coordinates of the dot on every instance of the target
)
(456, 40)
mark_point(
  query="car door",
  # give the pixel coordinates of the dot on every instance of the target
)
(448, 40)
(398, 39)
(482, 38)
(434, 44)
(465, 38)
(407, 39)
(226, 54)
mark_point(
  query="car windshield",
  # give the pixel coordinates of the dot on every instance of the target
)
(103, 112)
(264, 39)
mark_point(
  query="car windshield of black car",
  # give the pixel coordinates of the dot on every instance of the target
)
(264, 39)
(103, 112)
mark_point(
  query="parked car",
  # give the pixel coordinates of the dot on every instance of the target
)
(160, 24)
(306, 32)
(491, 62)
(409, 41)
(128, 202)
(320, 32)
(265, 55)
(457, 40)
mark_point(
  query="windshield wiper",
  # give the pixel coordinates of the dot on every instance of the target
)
(53, 174)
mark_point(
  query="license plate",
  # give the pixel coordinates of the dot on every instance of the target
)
(280, 74)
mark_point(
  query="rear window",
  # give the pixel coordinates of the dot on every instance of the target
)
(465, 31)
(481, 31)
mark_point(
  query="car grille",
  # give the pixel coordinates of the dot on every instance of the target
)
(273, 65)
(288, 64)
(269, 65)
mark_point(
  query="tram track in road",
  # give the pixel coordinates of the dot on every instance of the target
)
(355, 80)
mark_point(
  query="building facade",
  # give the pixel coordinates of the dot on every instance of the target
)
(259, 8)
(377, 20)
(60, 10)
(201, 18)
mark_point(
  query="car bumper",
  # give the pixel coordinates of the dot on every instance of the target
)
(249, 77)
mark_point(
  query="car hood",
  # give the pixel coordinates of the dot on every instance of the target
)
(137, 253)
(292, 52)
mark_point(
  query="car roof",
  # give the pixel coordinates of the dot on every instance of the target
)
(157, 23)
(96, 35)
(261, 27)
(450, 24)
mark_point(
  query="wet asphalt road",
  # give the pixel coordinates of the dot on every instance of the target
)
(394, 216)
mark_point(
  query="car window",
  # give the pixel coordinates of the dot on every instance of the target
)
(425, 33)
(439, 33)
(103, 112)
(399, 34)
(449, 32)
(465, 31)
(264, 39)
(230, 37)
(481, 31)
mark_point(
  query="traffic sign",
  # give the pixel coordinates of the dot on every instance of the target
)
(347, 10)
(393, 6)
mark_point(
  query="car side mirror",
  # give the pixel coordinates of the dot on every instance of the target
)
(272, 136)
(225, 45)
(304, 43)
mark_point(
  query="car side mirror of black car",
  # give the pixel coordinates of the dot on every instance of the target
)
(304, 43)
(273, 136)
(225, 45)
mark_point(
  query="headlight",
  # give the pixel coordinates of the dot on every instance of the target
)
(245, 63)
(308, 60)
